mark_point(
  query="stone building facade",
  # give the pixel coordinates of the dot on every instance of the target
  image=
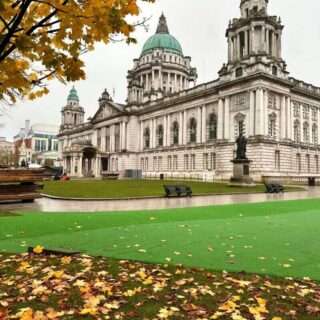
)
(37, 144)
(171, 125)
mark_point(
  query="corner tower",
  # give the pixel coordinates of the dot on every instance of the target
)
(72, 113)
(254, 43)
(161, 70)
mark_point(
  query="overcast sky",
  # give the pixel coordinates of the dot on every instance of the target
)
(200, 27)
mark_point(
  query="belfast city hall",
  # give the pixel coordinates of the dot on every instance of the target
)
(173, 126)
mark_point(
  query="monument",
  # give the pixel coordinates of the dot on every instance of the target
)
(241, 164)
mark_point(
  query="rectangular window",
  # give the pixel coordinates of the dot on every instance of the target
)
(154, 163)
(193, 162)
(175, 162)
(142, 164)
(213, 161)
(186, 162)
(308, 163)
(37, 145)
(159, 163)
(277, 160)
(205, 161)
(169, 163)
(298, 159)
(43, 145)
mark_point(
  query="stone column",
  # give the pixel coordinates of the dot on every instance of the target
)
(72, 166)
(175, 83)
(310, 124)
(112, 133)
(124, 136)
(141, 136)
(181, 128)
(227, 118)
(301, 123)
(252, 47)
(229, 50)
(252, 114)
(168, 130)
(204, 125)
(154, 129)
(80, 166)
(97, 166)
(318, 124)
(290, 132)
(220, 119)
(185, 128)
(263, 42)
(280, 45)
(199, 125)
(259, 112)
(246, 43)
(266, 112)
(165, 131)
(283, 118)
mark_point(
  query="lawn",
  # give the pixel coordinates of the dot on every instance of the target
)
(242, 262)
(277, 238)
(36, 287)
(135, 188)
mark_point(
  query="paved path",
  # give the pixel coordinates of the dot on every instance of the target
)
(48, 205)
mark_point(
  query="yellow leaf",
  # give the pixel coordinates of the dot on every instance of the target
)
(38, 249)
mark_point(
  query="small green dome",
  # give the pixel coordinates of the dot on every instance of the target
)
(73, 95)
(162, 40)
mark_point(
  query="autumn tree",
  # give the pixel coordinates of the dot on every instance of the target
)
(41, 40)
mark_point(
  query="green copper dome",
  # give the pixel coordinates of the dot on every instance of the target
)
(162, 40)
(73, 95)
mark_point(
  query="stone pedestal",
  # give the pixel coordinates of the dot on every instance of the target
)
(241, 173)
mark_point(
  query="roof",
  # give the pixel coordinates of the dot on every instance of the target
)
(73, 95)
(43, 128)
(162, 39)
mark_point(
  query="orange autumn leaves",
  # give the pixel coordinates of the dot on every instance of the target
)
(44, 40)
(41, 287)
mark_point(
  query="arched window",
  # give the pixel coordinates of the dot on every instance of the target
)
(239, 125)
(272, 125)
(296, 130)
(212, 126)
(160, 135)
(192, 130)
(315, 134)
(146, 136)
(175, 133)
(306, 137)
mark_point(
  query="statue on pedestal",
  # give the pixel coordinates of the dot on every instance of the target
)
(241, 164)
(241, 147)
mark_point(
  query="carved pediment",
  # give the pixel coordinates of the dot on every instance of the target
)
(106, 111)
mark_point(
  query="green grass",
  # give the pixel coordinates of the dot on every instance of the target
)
(86, 287)
(135, 188)
(277, 238)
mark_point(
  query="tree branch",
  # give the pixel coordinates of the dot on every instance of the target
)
(14, 26)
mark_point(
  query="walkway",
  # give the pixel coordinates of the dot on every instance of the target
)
(48, 205)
